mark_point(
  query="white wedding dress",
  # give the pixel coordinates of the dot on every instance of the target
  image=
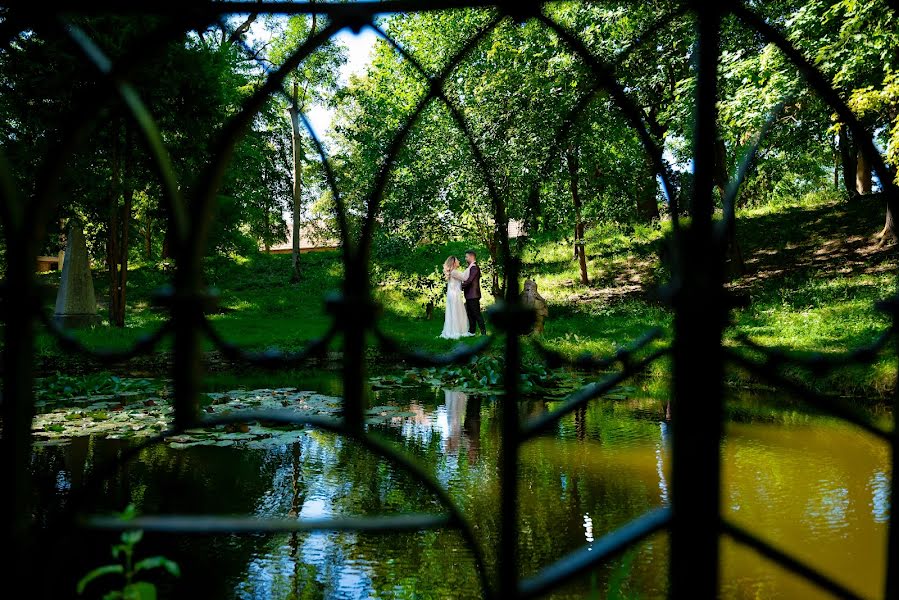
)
(455, 321)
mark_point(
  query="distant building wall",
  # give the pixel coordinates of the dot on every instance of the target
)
(309, 242)
(289, 249)
(47, 263)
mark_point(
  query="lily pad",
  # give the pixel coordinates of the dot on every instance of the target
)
(106, 417)
(180, 446)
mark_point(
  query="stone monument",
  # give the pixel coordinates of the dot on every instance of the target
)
(76, 304)
(532, 299)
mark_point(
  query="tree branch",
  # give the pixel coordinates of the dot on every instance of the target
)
(242, 29)
(238, 33)
(306, 85)
(255, 57)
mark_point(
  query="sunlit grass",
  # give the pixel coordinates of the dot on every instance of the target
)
(802, 296)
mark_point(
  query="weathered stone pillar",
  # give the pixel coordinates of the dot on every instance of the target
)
(76, 304)
(531, 298)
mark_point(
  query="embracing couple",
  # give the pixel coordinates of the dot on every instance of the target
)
(463, 298)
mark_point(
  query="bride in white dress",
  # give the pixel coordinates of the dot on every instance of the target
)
(455, 321)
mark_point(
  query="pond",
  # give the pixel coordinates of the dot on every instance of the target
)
(814, 486)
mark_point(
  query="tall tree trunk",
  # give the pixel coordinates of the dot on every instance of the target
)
(836, 163)
(266, 214)
(266, 240)
(836, 171)
(888, 233)
(735, 264)
(862, 174)
(647, 203)
(148, 236)
(297, 183)
(128, 199)
(297, 143)
(579, 254)
(166, 252)
(112, 232)
(647, 206)
(118, 225)
(494, 260)
(848, 160)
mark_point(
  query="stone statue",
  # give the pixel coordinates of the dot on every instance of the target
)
(532, 299)
(76, 304)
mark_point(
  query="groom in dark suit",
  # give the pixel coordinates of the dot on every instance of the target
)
(472, 289)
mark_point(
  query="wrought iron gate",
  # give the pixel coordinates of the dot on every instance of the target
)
(697, 297)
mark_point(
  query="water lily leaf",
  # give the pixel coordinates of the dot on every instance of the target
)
(182, 439)
(236, 435)
(377, 420)
(52, 442)
(181, 446)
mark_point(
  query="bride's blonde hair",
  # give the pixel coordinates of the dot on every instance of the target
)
(448, 265)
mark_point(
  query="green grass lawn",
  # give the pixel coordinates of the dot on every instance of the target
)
(813, 275)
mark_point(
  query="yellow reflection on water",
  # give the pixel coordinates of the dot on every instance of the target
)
(819, 493)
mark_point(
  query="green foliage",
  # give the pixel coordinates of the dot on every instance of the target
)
(514, 90)
(128, 569)
(484, 374)
(428, 290)
(62, 386)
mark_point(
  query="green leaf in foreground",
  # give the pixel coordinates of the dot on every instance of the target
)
(156, 562)
(99, 572)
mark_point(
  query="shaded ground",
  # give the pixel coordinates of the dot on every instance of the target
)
(825, 241)
(835, 239)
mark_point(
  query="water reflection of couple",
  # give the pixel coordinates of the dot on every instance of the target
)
(462, 415)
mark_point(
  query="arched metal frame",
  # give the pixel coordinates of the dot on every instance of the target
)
(697, 297)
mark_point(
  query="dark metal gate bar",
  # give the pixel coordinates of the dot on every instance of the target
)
(697, 297)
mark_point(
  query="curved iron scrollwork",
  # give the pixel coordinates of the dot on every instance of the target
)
(697, 297)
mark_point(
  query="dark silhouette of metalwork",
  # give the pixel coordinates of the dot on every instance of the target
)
(696, 295)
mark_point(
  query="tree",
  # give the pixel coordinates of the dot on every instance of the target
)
(579, 243)
(42, 79)
(856, 44)
(313, 81)
(513, 93)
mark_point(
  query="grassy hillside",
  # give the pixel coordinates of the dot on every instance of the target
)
(813, 275)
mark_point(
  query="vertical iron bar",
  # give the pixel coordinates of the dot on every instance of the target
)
(19, 294)
(353, 312)
(187, 312)
(892, 560)
(699, 306)
(508, 466)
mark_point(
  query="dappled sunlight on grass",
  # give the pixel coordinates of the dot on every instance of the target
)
(813, 276)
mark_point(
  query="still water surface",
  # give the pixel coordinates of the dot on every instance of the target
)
(814, 486)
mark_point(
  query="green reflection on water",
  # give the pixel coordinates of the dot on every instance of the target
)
(816, 487)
